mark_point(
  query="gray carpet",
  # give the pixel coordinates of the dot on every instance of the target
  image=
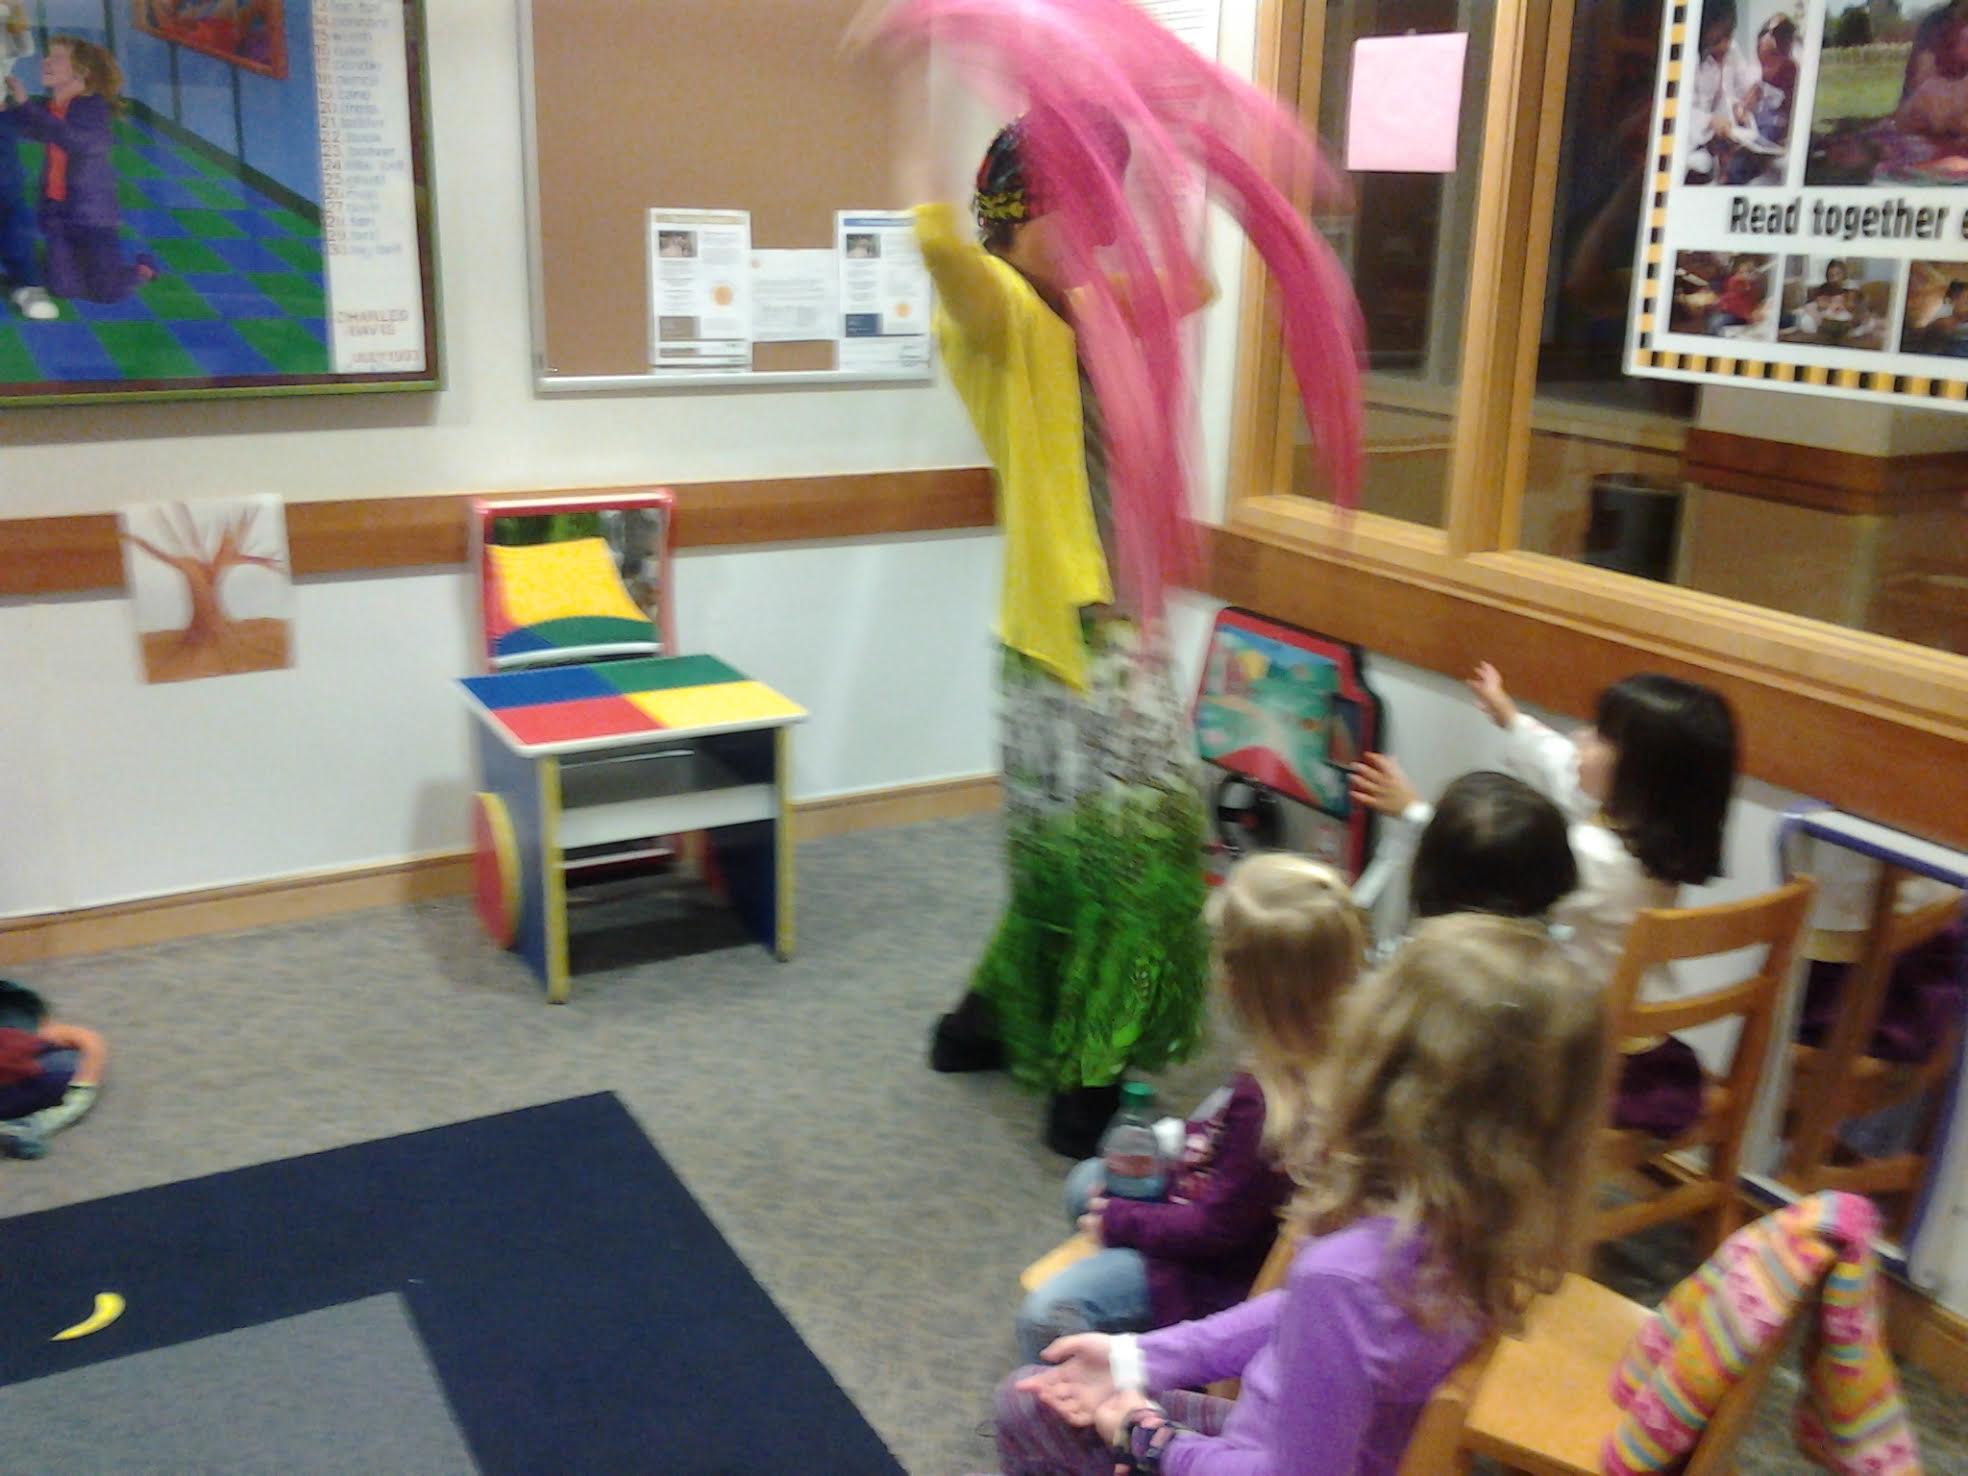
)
(345, 1389)
(887, 1209)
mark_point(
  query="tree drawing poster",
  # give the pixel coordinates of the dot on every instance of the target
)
(209, 586)
(1805, 200)
(204, 197)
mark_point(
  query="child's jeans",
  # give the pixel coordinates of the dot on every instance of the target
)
(1106, 1292)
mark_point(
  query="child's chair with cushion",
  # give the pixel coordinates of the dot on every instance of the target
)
(574, 578)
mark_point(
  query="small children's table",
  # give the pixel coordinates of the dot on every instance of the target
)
(593, 765)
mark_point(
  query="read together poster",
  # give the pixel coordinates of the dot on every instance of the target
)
(1807, 226)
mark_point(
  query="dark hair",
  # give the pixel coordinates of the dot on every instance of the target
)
(1495, 845)
(1781, 29)
(1674, 775)
(1718, 13)
(1004, 178)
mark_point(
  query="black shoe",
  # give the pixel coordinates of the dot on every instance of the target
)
(1076, 1119)
(966, 1039)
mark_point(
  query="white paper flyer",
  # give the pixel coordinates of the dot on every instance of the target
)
(884, 293)
(700, 298)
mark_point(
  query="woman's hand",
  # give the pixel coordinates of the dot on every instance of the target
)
(1487, 684)
(868, 20)
(1381, 784)
(1080, 1380)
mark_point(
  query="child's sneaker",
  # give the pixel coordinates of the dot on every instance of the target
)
(35, 303)
(17, 1141)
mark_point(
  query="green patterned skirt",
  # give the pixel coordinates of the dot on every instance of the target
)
(1100, 961)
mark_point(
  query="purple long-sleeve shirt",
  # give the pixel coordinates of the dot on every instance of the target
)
(86, 135)
(1205, 1245)
(1335, 1369)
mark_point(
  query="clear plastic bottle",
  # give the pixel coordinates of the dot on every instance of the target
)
(1133, 1162)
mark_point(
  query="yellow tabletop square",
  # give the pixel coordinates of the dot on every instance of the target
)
(718, 705)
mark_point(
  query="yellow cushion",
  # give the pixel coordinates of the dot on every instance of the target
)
(560, 581)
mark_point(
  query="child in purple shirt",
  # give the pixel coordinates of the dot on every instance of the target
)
(1287, 942)
(1444, 1179)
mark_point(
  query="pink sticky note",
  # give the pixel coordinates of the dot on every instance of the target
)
(1406, 103)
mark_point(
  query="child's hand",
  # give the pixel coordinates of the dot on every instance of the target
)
(1107, 1419)
(1487, 684)
(1089, 1221)
(16, 90)
(1380, 784)
(1080, 1380)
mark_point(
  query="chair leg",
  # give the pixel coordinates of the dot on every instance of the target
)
(1718, 1225)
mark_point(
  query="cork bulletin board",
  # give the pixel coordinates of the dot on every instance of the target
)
(686, 104)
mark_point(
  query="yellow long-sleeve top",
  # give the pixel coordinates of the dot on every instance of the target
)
(1015, 362)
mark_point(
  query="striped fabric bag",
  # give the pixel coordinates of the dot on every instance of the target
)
(1850, 1420)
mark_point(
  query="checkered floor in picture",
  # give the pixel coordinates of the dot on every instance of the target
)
(239, 290)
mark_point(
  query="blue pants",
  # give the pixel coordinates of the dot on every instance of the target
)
(1106, 1292)
(17, 263)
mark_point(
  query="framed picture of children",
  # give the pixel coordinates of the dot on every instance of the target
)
(243, 33)
(1841, 280)
(1838, 301)
(1724, 294)
(1892, 95)
(213, 197)
(1936, 319)
(1743, 94)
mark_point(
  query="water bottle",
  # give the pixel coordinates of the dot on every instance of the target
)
(1132, 1160)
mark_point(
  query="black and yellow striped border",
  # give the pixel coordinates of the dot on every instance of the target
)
(1645, 355)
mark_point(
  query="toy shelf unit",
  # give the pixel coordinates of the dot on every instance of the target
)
(590, 766)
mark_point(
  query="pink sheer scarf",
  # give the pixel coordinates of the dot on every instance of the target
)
(1125, 239)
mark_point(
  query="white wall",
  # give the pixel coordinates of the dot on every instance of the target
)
(111, 790)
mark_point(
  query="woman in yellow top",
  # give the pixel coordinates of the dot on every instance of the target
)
(1099, 961)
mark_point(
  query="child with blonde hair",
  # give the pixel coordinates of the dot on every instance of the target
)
(1443, 1181)
(1287, 942)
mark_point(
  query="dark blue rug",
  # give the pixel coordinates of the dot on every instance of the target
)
(580, 1311)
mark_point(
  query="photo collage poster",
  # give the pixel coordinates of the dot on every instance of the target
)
(1808, 221)
(227, 196)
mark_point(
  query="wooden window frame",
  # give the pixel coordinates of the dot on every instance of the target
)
(1865, 722)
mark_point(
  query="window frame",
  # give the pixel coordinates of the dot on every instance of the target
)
(1856, 718)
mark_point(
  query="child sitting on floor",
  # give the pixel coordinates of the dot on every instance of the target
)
(1444, 1182)
(49, 1072)
(1288, 940)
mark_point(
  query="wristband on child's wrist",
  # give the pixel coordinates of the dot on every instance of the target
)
(1144, 1438)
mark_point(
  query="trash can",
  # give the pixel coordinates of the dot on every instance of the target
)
(1635, 527)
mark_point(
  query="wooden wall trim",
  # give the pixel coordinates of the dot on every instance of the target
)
(76, 554)
(1796, 736)
(287, 899)
(1810, 476)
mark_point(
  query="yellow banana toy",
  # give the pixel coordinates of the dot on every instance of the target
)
(109, 1307)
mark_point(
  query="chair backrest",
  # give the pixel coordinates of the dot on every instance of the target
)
(1433, 1447)
(1271, 1275)
(1669, 935)
(1862, 1001)
(537, 607)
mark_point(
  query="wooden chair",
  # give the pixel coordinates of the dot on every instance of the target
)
(1545, 1405)
(1839, 1080)
(1706, 1193)
(1437, 1447)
